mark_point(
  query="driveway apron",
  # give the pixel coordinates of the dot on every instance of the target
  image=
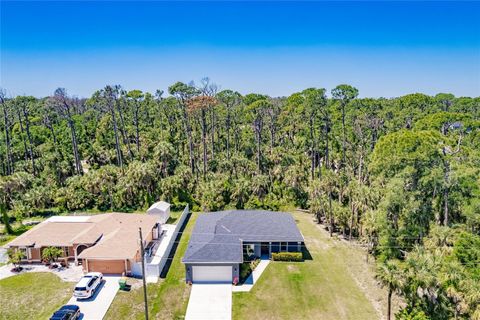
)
(96, 307)
(210, 301)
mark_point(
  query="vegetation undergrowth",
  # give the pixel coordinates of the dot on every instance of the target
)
(401, 175)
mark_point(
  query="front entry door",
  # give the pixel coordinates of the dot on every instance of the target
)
(265, 249)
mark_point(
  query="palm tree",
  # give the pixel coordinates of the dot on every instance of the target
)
(51, 254)
(329, 186)
(15, 257)
(241, 191)
(390, 276)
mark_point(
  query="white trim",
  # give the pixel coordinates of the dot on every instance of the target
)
(212, 262)
(60, 219)
(294, 240)
(109, 258)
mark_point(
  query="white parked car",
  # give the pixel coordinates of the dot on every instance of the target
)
(87, 286)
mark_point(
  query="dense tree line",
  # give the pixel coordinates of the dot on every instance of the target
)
(401, 175)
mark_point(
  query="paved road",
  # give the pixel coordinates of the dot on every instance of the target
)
(210, 301)
(96, 307)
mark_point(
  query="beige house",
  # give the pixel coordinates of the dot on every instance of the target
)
(107, 243)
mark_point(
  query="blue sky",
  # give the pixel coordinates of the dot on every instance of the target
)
(383, 48)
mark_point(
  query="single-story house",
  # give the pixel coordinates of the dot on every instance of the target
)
(107, 243)
(221, 241)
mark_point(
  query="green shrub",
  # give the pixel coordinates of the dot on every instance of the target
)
(287, 256)
(52, 253)
(246, 268)
(254, 263)
(411, 314)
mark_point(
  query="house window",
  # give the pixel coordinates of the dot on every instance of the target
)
(250, 250)
(294, 247)
(25, 253)
(283, 246)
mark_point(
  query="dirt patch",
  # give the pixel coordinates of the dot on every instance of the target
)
(135, 283)
(318, 244)
(293, 269)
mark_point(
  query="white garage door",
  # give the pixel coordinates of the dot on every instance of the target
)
(212, 274)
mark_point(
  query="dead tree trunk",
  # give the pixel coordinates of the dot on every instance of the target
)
(204, 143)
(137, 130)
(25, 151)
(29, 136)
(123, 131)
(312, 147)
(446, 191)
(212, 138)
(344, 139)
(115, 131)
(188, 129)
(227, 125)
(8, 155)
(71, 125)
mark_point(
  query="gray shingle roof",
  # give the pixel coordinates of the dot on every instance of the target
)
(218, 236)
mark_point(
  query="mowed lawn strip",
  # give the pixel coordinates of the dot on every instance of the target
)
(168, 299)
(34, 295)
(321, 288)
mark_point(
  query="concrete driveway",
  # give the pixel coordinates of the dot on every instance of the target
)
(210, 301)
(96, 307)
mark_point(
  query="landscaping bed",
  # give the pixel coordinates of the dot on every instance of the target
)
(246, 269)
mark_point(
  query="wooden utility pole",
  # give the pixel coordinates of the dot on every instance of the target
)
(142, 251)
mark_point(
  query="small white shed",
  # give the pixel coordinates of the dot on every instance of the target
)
(160, 209)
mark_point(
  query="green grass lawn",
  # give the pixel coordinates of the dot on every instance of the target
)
(32, 295)
(174, 215)
(168, 299)
(18, 229)
(326, 287)
(321, 288)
